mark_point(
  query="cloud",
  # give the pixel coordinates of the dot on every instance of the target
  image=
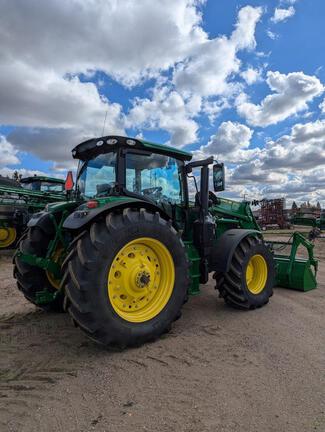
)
(8, 172)
(303, 149)
(169, 111)
(49, 144)
(272, 35)
(207, 71)
(229, 144)
(47, 91)
(8, 153)
(115, 37)
(292, 166)
(253, 172)
(28, 98)
(281, 14)
(251, 75)
(322, 106)
(292, 92)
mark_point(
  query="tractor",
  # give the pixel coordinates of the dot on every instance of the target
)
(122, 254)
(19, 200)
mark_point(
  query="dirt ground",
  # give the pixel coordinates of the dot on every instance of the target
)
(218, 370)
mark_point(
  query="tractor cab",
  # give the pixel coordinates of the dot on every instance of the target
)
(112, 167)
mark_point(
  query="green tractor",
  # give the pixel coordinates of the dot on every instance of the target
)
(128, 247)
(19, 200)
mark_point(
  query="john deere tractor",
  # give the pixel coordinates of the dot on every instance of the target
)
(128, 247)
(19, 200)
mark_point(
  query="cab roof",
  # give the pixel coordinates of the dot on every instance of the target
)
(41, 178)
(94, 146)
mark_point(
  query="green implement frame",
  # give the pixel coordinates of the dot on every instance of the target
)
(295, 272)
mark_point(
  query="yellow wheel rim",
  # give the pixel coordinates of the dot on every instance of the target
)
(50, 276)
(256, 274)
(141, 280)
(7, 237)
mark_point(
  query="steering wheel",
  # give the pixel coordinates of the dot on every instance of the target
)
(151, 190)
(104, 188)
(212, 197)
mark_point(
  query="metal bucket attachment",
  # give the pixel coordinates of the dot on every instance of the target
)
(292, 272)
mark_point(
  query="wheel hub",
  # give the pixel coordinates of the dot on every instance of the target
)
(256, 274)
(7, 236)
(4, 234)
(141, 279)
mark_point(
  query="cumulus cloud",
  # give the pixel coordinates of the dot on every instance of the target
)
(291, 94)
(253, 172)
(167, 110)
(41, 87)
(322, 106)
(49, 144)
(291, 166)
(207, 71)
(303, 149)
(114, 37)
(281, 14)
(8, 153)
(230, 144)
(251, 75)
(28, 98)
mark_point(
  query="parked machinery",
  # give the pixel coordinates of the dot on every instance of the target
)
(123, 253)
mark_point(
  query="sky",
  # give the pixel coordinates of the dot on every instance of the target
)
(240, 80)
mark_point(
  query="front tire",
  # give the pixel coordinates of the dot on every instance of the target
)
(249, 282)
(38, 286)
(126, 278)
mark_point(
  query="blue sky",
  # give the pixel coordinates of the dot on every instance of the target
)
(240, 80)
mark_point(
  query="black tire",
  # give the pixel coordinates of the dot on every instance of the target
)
(232, 285)
(31, 279)
(86, 270)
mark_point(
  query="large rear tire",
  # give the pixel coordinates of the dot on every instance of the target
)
(249, 282)
(33, 281)
(126, 278)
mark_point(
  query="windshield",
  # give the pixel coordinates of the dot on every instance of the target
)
(43, 186)
(154, 176)
(52, 187)
(97, 176)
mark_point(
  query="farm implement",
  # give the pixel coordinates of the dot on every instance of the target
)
(18, 201)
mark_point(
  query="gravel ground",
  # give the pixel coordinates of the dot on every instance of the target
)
(217, 370)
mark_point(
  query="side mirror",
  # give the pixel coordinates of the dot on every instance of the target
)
(218, 177)
(69, 183)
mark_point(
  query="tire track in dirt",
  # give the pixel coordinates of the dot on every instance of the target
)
(34, 357)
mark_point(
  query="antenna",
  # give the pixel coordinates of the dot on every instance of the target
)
(104, 123)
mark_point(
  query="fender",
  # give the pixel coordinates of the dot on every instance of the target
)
(220, 257)
(81, 217)
(44, 218)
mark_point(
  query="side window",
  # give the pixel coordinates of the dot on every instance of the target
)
(155, 176)
(191, 184)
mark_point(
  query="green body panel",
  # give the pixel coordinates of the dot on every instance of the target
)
(45, 297)
(194, 259)
(44, 263)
